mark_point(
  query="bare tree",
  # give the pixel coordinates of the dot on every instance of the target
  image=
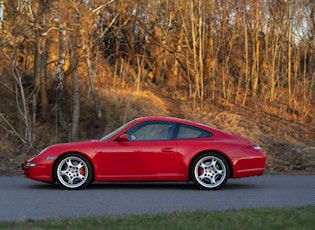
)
(231, 51)
(41, 57)
(75, 89)
(60, 81)
(21, 103)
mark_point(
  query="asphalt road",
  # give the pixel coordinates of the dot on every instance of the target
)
(22, 198)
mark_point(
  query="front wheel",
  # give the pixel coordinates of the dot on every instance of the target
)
(210, 171)
(73, 171)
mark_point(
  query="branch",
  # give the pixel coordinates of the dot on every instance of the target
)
(107, 28)
(11, 128)
(101, 6)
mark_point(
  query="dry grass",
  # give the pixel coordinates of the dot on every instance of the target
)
(290, 146)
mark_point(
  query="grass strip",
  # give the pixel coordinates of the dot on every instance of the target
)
(302, 218)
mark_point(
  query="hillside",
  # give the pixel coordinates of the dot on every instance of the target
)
(289, 144)
(247, 69)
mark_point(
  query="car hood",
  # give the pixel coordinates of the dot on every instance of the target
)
(89, 147)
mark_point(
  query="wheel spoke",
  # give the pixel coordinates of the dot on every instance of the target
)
(203, 176)
(202, 165)
(219, 172)
(80, 171)
(63, 172)
(213, 163)
(80, 165)
(81, 177)
(70, 180)
(213, 180)
(69, 163)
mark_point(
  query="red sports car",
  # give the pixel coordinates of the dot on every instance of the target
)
(150, 149)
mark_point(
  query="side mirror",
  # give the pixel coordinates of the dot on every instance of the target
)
(123, 137)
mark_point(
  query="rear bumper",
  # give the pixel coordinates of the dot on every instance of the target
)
(249, 172)
(248, 161)
(250, 166)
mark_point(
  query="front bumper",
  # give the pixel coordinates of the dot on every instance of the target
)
(39, 172)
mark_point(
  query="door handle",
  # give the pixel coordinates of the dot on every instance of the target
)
(168, 150)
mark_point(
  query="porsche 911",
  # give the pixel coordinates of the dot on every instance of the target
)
(150, 149)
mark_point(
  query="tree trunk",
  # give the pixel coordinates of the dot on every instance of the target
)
(194, 31)
(96, 100)
(247, 79)
(60, 88)
(255, 66)
(202, 57)
(40, 62)
(43, 73)
(75, 89)
(289, 51)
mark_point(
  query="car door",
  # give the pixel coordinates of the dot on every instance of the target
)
(150, 153)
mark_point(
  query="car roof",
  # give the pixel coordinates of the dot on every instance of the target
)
(169, 119)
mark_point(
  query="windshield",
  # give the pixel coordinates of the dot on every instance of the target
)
(108, 136)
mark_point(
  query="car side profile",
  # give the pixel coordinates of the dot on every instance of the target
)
(150, 149)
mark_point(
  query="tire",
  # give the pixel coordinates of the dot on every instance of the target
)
(73, 171)
(209, 171)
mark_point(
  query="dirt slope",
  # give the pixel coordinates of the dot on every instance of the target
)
(289, 145)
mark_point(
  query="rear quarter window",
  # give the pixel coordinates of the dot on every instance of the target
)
(186, 131)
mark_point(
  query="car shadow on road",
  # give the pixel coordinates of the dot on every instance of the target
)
(142, 185)
(231, 185)
(148, 186)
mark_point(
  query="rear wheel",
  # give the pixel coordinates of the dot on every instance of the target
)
(73, 171)
(210, 171)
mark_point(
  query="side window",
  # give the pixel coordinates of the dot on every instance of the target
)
(186, 132)
(152, 131)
